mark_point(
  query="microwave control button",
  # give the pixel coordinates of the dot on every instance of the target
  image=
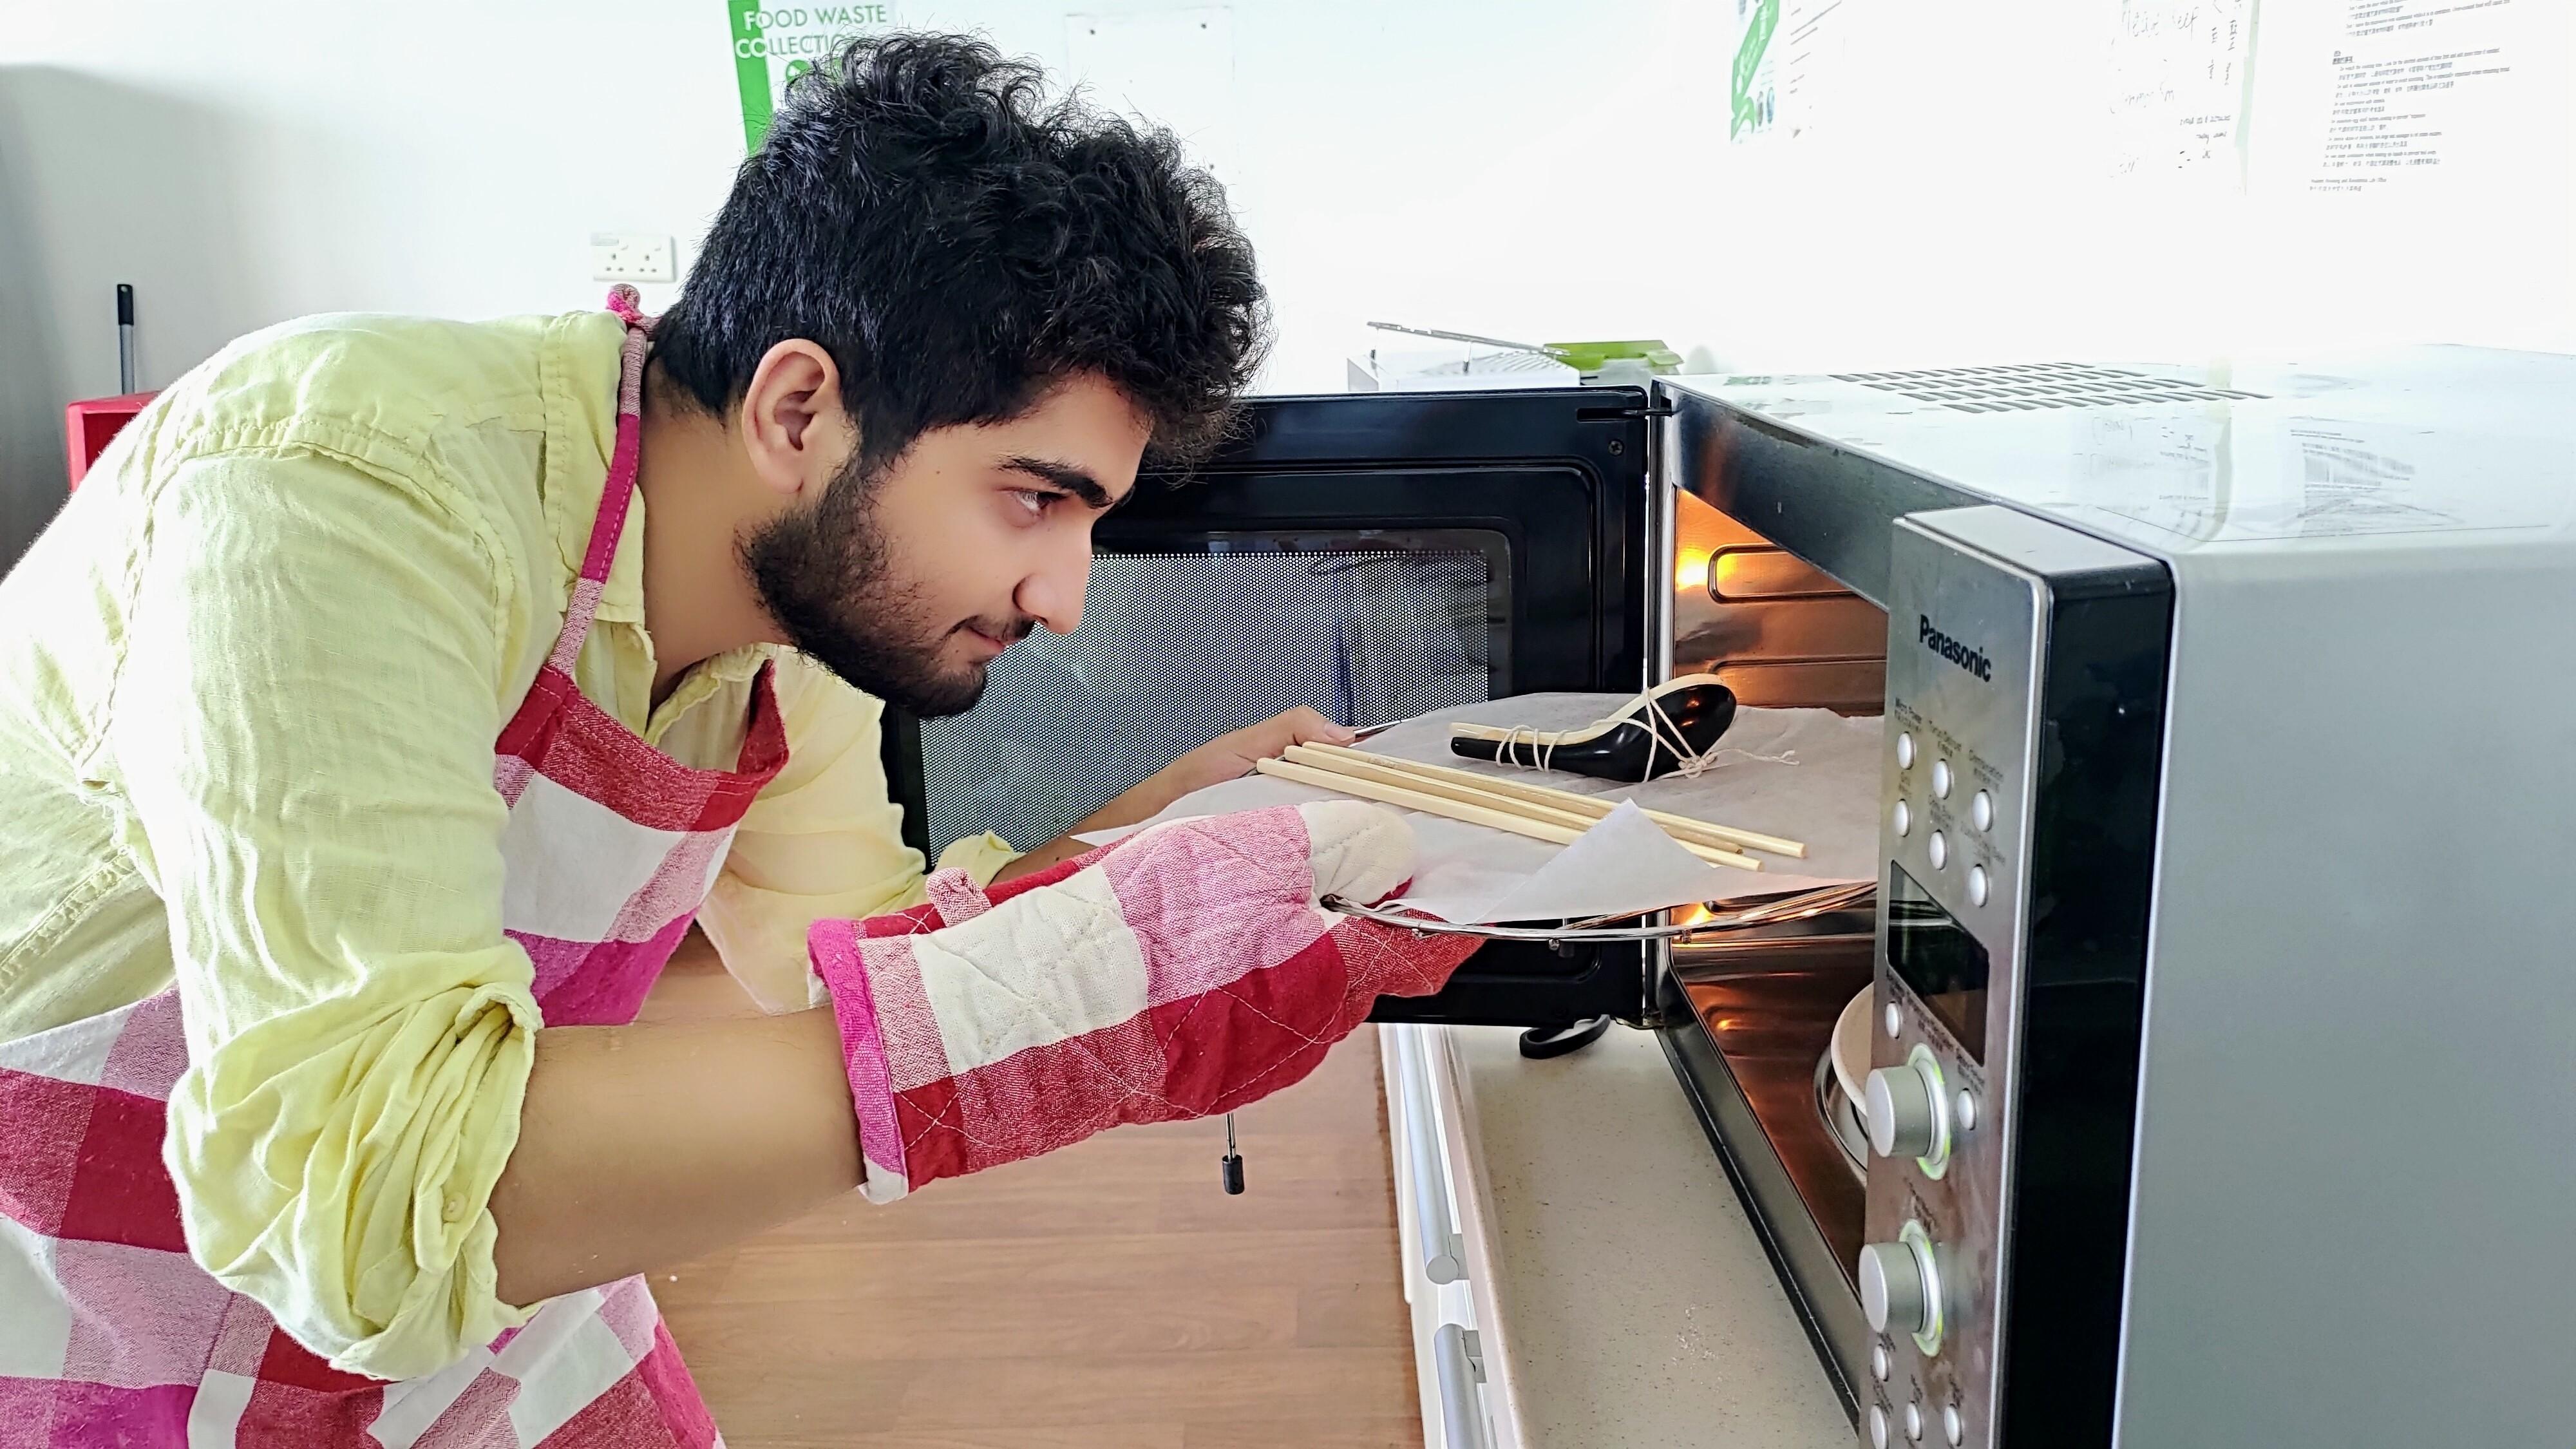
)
(1891, 1292)
(1900, 1288)
(1953, 1428)
(1904, 819)
(1940, 779)
(1914, 1420)
(1895, 1019)
(1902, 1108)
(1878, 1426)
(1981, 811)
(1963, 1111)
(1905, 752)
(1896, 1287)
(1881, 1362)
(1976, 885)
(1938, 847)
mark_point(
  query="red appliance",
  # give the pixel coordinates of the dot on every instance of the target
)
(89, 426)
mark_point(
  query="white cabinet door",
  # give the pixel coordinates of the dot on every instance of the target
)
(1445, 1261)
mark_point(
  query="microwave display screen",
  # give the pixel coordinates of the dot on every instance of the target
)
(1930, 951)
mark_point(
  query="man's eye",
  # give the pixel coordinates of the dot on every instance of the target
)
(1035, 502)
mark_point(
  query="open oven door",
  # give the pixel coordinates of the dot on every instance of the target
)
(1374, 556)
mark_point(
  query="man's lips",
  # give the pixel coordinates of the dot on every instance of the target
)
(992, 643)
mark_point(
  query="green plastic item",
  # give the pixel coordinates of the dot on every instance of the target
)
(1589, 358)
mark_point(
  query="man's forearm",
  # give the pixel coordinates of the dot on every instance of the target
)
(1141, 801)
(641, 1147)
(1226, 757)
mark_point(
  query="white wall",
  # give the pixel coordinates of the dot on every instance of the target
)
(258, 159)
(249, 161)
(1957, 203)
(1546, 170)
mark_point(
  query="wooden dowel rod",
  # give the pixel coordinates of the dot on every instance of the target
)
(1492, 818)
(1370, 767)
(1704, 832)
(1456, 785)
(1533, 738)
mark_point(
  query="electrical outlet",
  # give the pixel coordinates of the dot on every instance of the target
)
(629, 256)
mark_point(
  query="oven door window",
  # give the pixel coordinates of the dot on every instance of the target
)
(1187, 637)
(1930, 951)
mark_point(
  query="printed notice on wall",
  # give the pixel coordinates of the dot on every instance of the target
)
(1174, 68)
(1790, 60)
(2423, 91)
(774, 44)
(2179, 77)
(1814, 62)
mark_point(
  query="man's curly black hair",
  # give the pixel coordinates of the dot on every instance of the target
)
(960, 244)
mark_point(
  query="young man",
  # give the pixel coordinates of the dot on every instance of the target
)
(397, 693)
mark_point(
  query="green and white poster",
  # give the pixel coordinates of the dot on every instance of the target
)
(1753, 95)
(774, 44)
(1791, 74)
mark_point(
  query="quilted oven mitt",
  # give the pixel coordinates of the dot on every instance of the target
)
(1180, 972)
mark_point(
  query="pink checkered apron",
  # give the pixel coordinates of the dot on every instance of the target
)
(111, 1335)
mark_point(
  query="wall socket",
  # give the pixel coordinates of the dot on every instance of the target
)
(631, 256)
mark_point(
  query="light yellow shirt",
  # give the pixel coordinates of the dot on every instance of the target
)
(250, 681)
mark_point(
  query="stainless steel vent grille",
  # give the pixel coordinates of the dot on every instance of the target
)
(1178, 648)
(2024, 386)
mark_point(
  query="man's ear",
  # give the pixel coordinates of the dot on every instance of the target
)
(794, 428)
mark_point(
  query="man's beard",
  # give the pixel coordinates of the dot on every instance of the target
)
(828, 580)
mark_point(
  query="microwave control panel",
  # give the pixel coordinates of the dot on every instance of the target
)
(1968, 609)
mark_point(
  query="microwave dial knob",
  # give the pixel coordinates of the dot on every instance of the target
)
(1895, 1288)
(1902, 1107)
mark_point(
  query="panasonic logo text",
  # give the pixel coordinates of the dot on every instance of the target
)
(1972, 660)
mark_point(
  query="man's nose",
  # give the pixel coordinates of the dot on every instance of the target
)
(1052, 594)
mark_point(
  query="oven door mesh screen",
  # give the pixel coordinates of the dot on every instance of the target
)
(1178, 648)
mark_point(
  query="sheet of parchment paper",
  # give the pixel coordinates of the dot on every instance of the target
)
(1806, 774)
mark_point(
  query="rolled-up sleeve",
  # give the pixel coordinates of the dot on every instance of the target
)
(824, 841)
(302, 734)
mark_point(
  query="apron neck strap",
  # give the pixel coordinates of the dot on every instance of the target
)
(610, 524)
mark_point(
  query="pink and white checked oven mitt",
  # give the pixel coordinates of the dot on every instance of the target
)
(1180, 972)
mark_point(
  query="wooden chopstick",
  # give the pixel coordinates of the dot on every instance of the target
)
(1706, 832)
(1457, 786)
(1369, 767)
(1701, 832)
(1500, 815)
(1386, 772)
(1540, 738)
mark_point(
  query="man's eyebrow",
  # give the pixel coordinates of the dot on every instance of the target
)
(1069, 478)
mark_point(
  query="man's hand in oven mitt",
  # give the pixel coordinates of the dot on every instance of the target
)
(1182, 971)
